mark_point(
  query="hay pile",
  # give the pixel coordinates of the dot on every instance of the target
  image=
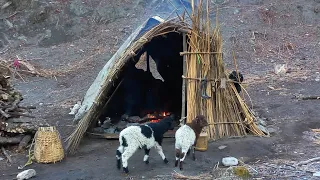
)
(209, 91)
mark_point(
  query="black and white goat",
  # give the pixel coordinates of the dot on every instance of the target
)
(142, 136)
(186, 138)
(237, 79)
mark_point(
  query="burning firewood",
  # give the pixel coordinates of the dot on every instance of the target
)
(152, 117)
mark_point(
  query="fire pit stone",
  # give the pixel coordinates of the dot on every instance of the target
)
(111, 130)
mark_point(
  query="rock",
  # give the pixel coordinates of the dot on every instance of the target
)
(317, 9)
(121, 125)
(134, 119)
(280, 68)
(7, 4)
(132, 124)
(316, 174)
(318, 77)
(98, 130)
(241, 171)
(262, 122)
(9, 24)
(124, 117)
(110, 130)
(75, 108)
(236, 11)
(1, 158)
(221, 147)
(230, 161)
(263, 129)
(22, 38)
(106, 124)
(27, 174)
(272, 130)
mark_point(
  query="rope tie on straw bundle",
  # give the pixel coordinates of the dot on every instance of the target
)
(143, 40)
(214, 80)
(132, 53)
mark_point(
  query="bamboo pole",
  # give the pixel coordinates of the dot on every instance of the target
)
(186, 53)
(183, 106)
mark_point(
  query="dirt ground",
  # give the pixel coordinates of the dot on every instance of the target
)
(83, 35)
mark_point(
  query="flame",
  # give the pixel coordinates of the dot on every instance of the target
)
(162, 114)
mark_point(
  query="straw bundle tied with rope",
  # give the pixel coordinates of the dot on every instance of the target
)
(209, 92)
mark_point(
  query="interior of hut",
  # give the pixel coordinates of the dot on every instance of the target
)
(150, 84)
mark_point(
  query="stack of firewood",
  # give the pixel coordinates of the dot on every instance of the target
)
(13, 129)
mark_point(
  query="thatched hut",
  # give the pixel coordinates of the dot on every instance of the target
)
(182, 56)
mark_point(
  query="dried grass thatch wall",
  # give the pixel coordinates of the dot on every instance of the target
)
(218, 100)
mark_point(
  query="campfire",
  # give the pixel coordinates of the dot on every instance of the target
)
(108, 127)
(156, 117)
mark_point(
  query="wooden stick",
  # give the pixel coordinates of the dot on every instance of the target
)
(14, 105)
(6, 154)
(27, 107)
(185, 53)
(216, 80)
(10, 140)
(183, 105)
(311, 98)
(24, 142)
(6, 115)
(308, 161)
(21, 114)
(224, 123)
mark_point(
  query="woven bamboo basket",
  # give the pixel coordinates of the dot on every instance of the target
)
(48, 146)
(202, 142)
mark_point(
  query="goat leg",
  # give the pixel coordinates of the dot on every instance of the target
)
(188, 153)
(158, 147)
(146, 155)
(118, 156)
(182, 157)
(177, 157)
(193, 153)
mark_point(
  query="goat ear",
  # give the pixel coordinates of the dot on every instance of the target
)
(198, 120)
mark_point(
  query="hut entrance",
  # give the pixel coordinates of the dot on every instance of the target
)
(149, 86)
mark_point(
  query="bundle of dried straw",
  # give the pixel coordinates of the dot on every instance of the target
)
(219, 101)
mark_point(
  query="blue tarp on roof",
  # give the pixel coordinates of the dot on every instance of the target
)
(180, 5)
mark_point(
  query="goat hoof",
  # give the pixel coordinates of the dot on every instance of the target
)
(166, 160)
(125, 170)
(176, 163)
(181, 168)
(147, 161)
